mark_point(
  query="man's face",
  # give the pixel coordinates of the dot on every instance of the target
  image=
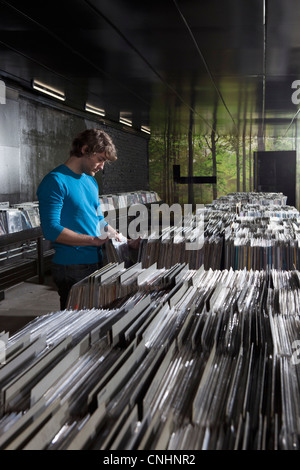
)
(93, 163)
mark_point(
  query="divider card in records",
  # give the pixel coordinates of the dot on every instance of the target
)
(124, 323)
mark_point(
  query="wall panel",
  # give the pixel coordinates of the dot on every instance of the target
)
(35, 137)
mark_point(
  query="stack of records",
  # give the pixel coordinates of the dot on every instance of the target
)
(113, 282)
(14, 220)
(207, 361)
(19, 217)
(31, 212)
(124, 200)
(119, 251)
(241, 230)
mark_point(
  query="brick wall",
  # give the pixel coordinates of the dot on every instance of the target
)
(130, 171)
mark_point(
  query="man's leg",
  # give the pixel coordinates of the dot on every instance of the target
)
(65, 277)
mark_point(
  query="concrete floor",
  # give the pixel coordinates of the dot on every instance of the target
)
(25, 301)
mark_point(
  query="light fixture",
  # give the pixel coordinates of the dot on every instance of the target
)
(145, 129)
(48, 90)
(93, 109)
(124, 119)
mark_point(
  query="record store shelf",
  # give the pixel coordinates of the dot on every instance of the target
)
(179, 359)
(23, 251)
(23, 256)
(152, 357)
(241, 230)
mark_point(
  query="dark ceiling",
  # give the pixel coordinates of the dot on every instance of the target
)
(158, 61)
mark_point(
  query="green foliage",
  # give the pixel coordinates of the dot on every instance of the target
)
(160, 177)
(161, 168)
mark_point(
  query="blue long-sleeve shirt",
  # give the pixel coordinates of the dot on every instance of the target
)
(69, 200)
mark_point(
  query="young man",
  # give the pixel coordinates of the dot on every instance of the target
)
(70, 212)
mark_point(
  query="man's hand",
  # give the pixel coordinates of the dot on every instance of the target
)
(110, 232)
(119, 237)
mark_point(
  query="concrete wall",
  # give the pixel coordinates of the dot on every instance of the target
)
(34, 138)
(10, 173)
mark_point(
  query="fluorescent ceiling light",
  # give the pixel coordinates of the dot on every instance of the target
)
(124, 118)
(146, 129)
(93, 109)
(125, 121)
(48, 90)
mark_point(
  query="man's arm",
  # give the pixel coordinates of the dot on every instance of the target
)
(68, 237)
(51, 198)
